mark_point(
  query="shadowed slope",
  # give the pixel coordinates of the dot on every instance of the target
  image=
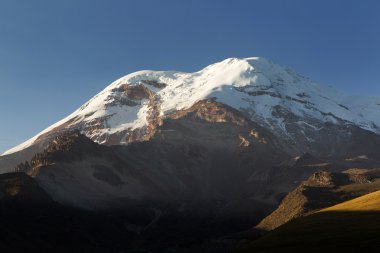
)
(321, 190)
(31, 221)
(353, 226)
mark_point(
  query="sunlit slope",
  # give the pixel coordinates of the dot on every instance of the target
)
(352, 226)
(366, 203)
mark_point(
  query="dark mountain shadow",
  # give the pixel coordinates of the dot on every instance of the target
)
(30, 221)
(327, 231)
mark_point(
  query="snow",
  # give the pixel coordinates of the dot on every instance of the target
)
(230, 82)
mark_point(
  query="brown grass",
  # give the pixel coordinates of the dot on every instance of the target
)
(350, 227)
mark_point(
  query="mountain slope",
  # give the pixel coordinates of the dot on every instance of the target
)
(321, 190)
(204, 173)
(189, 158)
(293, 107)
(32, 222)
(194, 178)
(352, 226)
(208, 153)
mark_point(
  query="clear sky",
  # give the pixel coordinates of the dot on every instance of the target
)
(55, 55)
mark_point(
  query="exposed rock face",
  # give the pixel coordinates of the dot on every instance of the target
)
(207, 151)
(192, 155)
(220, 147)
(206, 167)
(71, 142)
(350, 227)
(193, 175)
(305, 117)
(322, 189)
(126, 95)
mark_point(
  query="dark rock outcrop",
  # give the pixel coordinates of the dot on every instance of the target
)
(322, 189)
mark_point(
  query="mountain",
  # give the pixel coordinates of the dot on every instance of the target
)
(173, 191)
(352, 226)
(176, 168)
(304, 116)
(31, 221)
(321, 190)
(182, 160)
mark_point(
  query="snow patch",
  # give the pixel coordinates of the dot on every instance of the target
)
(254, 85)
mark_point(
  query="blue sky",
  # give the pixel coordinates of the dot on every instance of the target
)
(55, 55)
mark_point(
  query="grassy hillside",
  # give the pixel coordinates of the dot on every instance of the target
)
(321, 190)
(352, 226)
(366, 203)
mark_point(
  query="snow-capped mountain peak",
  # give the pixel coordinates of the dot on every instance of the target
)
(267, 93)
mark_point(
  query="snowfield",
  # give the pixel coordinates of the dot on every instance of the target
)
(253, 85)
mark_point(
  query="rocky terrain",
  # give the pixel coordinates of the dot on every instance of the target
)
(352, 226)
(304, 116)
(187, 203)
(322, 189)
(191, 162)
